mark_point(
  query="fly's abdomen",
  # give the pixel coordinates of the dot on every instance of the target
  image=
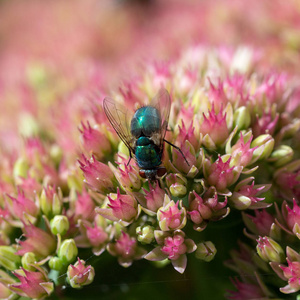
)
(147, 154)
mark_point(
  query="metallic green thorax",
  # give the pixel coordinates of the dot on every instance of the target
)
(145, 122)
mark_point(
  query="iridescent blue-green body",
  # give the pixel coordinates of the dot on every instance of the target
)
(145, 127)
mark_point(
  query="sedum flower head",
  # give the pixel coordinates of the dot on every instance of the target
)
(235, 127)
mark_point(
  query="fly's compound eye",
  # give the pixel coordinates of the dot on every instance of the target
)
(161, 171)
(142, 173)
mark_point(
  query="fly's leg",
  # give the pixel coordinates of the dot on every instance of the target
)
(129, 158)
(177, 148)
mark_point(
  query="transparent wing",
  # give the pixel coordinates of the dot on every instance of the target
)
(120, 118)
(162, 102)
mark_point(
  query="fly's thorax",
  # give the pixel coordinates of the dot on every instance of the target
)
(146, 121)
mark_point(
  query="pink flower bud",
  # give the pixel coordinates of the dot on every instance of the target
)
(121, 207)
(173, 246)
(128, 177)
(34, 285)
(269, 250)
(94, 142)
(22, 207)
(154, 198)
(221, 175)
(38, 241)
(98, 176)
(126, 249)
(171, 217)
(84, 206)
(214, 125)
(79, 275)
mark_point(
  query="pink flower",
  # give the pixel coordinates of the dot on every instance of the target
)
(220, 175)
(38, 241)
(292, 274)
(246, 291)
(154, 197)
(201, 210)
(94, 142)
(217, 97)
(179, 164)
(185, 114)
(241, 152)
(121, 207)
(214, 127)
(188, 134)
(287, 180)
(35, 285)
(22, 207)
(246, 196)
(265, 124)
(84, 206)
(98, 176)
(173, 246)
(292, 216)
(96, 235)
(261, 223)
(34, 149)
(273, 88)
(235, 86)
(79, 275)
(170, 216)
(269, 250)
(128, 176)
(30, 186)
(126, 249)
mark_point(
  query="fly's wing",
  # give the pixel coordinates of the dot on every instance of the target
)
(119, 117)
(162, 102)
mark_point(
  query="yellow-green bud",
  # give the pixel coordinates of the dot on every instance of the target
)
(206, 251)
(269, 250)
(59, 224)
(178, 190)
(8, 259)
(56, 263)
(51, 202)
(282, 155)
(264, 144)
(56, 154)
(28, 259)
(145, 234)
(68, 251)
(242, 118)
(20, 168)
(177, 184)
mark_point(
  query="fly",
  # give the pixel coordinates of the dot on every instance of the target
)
(143, 132)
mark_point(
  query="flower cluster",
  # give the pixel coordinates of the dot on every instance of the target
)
(71, 191)
(234, 153)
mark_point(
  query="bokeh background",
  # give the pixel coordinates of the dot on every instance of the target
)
(53, 51)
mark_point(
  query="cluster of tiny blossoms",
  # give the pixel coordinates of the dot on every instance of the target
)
(238, 129)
